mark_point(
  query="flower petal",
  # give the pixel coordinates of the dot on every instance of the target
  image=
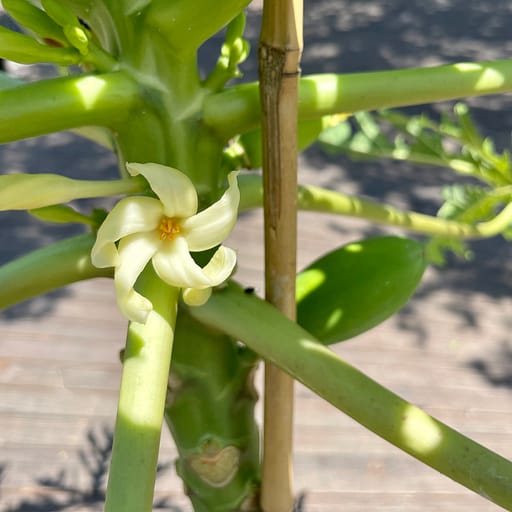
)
(135, 251)
(130, 215)
(176, 267)
(174, 188)
(195, 297)
(221, 266)
(213, 225)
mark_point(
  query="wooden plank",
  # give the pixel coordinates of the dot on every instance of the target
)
(68, 374)
(51, 400)
(393, 502)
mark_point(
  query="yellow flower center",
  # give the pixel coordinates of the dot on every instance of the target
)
(169, 228)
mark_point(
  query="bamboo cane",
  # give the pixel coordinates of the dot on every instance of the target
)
(279, 56)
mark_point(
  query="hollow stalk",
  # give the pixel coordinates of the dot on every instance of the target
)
(141, 403)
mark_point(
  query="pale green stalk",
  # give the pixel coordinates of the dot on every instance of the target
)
(95, 133)
(237, 110)
(63, 103)
(141, 403)
(47, 269)
(316, 199)
(29, 191)
(283, 342)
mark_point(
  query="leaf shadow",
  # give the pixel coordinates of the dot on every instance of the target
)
(61, 492)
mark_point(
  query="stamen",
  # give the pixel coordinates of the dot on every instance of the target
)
(169, 228)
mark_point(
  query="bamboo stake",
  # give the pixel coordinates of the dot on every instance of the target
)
(279, 57)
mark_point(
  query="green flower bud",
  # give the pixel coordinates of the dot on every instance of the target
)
(26, 50)
(60, 13)
(60, 214)
(34, 19)
(77, 38)
(239, 51)
(73, 30)
(235, 28)
(31, 191)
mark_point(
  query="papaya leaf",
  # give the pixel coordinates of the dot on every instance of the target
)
(372, 131)
(468, 203)
(437, 248)
(335, 137)
(307, 133)
(469, 132)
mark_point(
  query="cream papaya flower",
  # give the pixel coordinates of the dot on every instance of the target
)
(165, 231)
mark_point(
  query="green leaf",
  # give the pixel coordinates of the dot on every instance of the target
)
(372, 130)
(437, 248)
(336, 137)
(469, 132)
(358, 286)
(467, 203)
(307, 133)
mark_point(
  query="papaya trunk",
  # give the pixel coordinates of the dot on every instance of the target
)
(210, 412)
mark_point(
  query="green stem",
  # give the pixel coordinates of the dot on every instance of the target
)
(185, 29)
(317, 199)
(141, 401)
(47, 269)
(96, 134)
(100, 59)
(456, 164)
(236, 110)
(286, 344)
(63, 103)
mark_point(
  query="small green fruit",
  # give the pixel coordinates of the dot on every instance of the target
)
(358, 286)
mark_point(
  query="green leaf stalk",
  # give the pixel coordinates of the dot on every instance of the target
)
(296, 351)
(140, 411)
(49, 268)
(236, 109)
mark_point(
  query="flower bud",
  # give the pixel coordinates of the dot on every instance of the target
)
(235, 29)
(34, 19)
(30, 191)
(59, 13)
(77, 38)
(60, 214)
(73, 30)
(26, 50)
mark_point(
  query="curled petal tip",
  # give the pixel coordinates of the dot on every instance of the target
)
(194, 297)
(104, 256)
(134, 306)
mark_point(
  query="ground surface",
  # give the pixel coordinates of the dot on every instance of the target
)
(449, 351)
